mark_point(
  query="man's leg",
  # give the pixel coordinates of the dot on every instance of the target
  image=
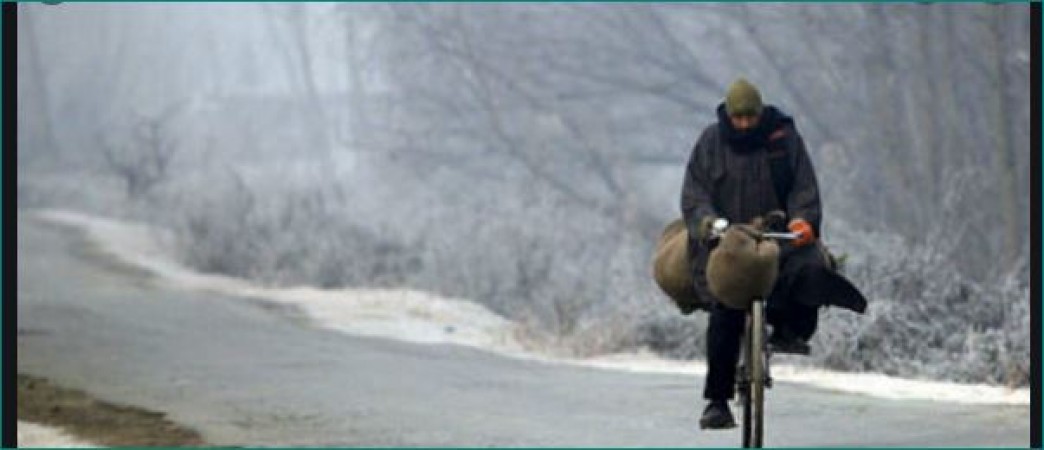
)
(792, 320)
(792, 309)
(802, 320)
(723, 340)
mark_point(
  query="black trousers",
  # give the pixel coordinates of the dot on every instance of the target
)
(784, 309)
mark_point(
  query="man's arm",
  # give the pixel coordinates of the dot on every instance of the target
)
(696, 204)
(803, 199)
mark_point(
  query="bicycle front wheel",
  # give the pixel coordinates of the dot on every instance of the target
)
(743, 388)
(757, 373)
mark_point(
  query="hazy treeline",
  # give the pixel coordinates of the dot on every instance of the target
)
(527, 156)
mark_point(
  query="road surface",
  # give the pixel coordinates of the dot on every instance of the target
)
(244, 371)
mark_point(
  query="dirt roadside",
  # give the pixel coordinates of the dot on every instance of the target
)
(100, 422)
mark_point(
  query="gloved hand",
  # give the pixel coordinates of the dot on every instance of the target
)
(804, 230)
(774, 220)
(703, 228)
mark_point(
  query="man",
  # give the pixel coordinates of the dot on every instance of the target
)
(752, 163)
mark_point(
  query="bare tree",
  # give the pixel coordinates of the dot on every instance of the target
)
(38, 97)
(1004, 160)
(142, 161)
(288, 25)
(549, 98)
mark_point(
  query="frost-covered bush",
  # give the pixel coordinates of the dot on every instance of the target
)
(580, 283)
(290, 238)
(928, 320)
(577, 281)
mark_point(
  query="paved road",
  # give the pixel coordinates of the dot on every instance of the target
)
(246, 372)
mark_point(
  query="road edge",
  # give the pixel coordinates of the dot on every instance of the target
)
(85, 418)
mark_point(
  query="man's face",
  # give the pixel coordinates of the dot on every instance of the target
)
(744, 122)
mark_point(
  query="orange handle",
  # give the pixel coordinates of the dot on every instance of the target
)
(804, 230)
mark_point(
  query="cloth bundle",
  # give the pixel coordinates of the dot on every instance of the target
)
(671, 268)
(742, 267)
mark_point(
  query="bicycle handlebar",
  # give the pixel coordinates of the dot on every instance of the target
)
(720, 225)
(788, 236)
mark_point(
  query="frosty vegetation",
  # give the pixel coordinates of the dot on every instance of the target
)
(527, 156)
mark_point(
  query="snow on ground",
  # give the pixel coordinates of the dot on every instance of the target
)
(389, 313)
(421, 317)
(36, 435)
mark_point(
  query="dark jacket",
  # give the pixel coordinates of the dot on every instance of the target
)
(729, 174)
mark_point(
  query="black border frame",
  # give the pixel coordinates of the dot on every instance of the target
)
(10, 264)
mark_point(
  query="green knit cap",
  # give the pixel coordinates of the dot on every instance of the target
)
(742, 98)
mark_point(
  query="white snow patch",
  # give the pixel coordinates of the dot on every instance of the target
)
(871, 384)
(884, 386)
(35, 435)
(421, 317)
(402, 314)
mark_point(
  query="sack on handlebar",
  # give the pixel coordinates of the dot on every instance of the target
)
(742, 267)
(738, 270)
(672, 270)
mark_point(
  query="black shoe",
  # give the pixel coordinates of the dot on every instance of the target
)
(717, 416)
(783, 342)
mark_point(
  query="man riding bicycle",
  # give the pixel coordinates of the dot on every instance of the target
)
(753, 163)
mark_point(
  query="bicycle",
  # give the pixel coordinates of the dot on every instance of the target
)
(752, 373)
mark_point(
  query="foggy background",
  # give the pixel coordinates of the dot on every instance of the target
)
(527, 156)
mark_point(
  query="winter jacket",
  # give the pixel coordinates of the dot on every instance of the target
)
(729, 174)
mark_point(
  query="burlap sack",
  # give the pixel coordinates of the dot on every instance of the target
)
(742, 268)
(671, 268)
